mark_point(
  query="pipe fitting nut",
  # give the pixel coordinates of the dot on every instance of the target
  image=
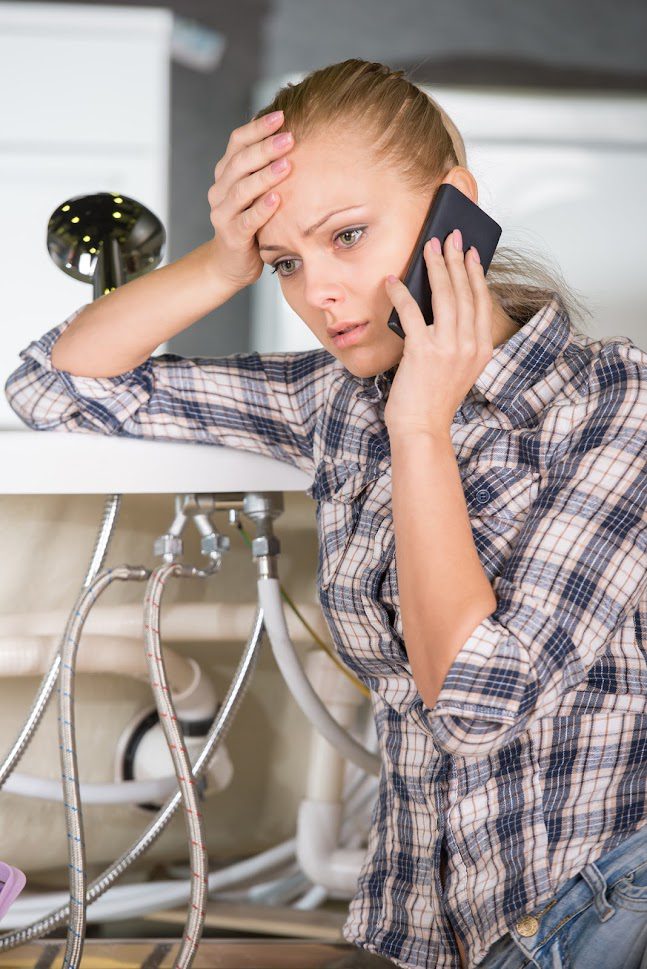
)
(214, 545)
(167, 545)
(265, 545)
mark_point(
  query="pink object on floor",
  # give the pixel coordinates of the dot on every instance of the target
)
(12, 882)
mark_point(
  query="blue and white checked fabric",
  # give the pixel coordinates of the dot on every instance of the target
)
(533, 762)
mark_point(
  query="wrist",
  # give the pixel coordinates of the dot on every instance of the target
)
(221, 288)
(421, 432)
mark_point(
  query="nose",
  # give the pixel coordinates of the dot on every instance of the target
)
(323, 287)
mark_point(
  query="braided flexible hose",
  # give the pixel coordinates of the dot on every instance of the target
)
(181, 762)
(217, 733)
(46, 688)
(69, 766)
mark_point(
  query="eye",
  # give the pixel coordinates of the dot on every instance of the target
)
(344, 232)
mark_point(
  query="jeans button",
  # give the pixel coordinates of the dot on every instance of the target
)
(527, 926)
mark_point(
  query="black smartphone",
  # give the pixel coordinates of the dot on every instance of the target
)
(451, 209)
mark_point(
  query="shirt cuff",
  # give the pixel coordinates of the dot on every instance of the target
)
(493, 685)
(107, 402)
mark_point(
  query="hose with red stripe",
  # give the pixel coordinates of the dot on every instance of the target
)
(198, 859)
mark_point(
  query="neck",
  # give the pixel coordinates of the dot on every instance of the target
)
(503, 325)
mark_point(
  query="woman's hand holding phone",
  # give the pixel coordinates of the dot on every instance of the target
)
(241, 197)
(440, 363)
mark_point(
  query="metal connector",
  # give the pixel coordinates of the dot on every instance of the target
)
(170, 547)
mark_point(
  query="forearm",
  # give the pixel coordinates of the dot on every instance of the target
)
(121, 329)
(444, 591)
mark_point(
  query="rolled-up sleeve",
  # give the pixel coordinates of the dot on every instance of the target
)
(266, 403)
(576, 574)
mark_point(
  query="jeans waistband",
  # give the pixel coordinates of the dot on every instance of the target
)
(588, 886)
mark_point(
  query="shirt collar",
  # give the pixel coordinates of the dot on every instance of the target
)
(515, 365)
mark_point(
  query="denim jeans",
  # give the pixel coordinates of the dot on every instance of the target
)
(596, 920)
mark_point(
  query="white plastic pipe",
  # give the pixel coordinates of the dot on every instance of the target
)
(193, 695)
(326, 766)
(298, 683)
(334, 869)
(318, 826)
(155, 789)
(32, 655)
(197, 622)
(128, 901)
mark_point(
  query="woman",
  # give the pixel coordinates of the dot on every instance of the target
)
(496, 458)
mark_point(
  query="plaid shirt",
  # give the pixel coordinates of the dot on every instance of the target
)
(533, 760)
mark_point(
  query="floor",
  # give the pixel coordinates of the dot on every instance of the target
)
(212, 954)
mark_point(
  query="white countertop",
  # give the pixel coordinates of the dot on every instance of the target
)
(60, 462)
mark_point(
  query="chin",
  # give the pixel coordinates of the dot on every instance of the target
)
(373, 365)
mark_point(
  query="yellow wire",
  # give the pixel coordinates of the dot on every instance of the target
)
(322, 645)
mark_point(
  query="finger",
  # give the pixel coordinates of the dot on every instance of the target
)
(249, 221)
(442, 294)
(245, 191)
(463, 298)
(411, 319)
(483, 308)
(247, 134)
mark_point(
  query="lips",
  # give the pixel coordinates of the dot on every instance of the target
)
(352, 336)
(339, 328)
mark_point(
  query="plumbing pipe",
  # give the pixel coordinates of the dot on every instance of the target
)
(151, 760)
(148, 753)
(326, 766)
(154, 789)
(318, 826)
(226, 711)
(194, 923)
(153, 782)
(269, 597)
(123, 901)
(32, 655)
(313, 898)
(320, 813)
(68, 757)
(22, 741)
(142, 898)
(197, 622)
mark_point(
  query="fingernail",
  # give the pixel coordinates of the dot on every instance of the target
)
(475, 254)
(270, 199)
(458, 239)
(279, 165)
(280, 141)
(391, 278)
(271, 118)
(435, 245)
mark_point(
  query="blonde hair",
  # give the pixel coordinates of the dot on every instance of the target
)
(408, 128)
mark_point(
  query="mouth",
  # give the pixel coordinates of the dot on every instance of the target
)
(350, 336)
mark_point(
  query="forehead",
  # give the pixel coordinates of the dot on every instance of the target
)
(327, 172)
(336, 155)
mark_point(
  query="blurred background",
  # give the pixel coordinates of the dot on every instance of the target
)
(140, 99)
(551, 100)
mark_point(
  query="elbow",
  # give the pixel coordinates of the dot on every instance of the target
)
(37, 398)
(16, 400)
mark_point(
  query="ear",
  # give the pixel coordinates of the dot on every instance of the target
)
(462, 179)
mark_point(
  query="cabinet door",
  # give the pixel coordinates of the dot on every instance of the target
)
(87, 112)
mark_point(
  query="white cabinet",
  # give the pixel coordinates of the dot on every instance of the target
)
(564, 176)
(84, 109)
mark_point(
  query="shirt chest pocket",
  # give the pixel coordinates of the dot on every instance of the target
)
(499, 493)
(338, 488)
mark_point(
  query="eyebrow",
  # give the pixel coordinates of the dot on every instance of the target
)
(317, 225)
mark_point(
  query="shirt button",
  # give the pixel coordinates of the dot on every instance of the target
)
(527, 926)
(482, 495)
